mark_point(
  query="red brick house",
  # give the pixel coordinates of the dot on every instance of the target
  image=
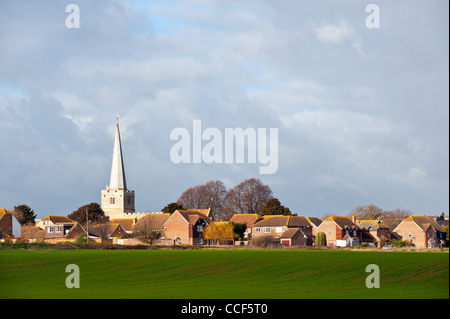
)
(248, 219)
(277, 225)
(186, 226)
(422, 231)
(372, 232)
(340, 231)
(9, 225)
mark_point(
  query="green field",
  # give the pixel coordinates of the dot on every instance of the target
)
(239, 273)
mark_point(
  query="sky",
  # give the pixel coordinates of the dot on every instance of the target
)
(362, 113)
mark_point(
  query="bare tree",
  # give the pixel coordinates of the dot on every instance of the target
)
(393, 218)
(248, 197)
(367, 212)
(147, 229)
(210, 195)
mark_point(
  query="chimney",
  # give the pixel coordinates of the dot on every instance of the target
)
(354, 219)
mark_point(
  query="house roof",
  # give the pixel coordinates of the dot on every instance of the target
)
(342, 221)
(101, 229)
(192, 215)
(32, 232)
(58, 219)
(424, 222)
(248, 219)
(372, 223)
(314, 221)
(290, 232)
(282, 220)
(126, 223)
(4, 212)
(155, 220)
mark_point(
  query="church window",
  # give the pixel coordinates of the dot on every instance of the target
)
(112, 200)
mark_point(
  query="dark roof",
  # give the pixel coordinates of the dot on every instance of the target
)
(282, 220)
(314, 221)
(342, 221)
(58, 219)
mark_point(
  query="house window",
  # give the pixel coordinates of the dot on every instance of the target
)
(199, 241)
(267, 229)
(51, 229)
(58, 229)
(409, 234)
(199, 228)
(279, 229)
(354, 232)
(346, 231)
(329, 231)
(257, 230)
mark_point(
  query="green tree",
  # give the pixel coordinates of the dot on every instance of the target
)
(24, 214)
(321, 239)
(95, 213)
(239, 229)
(171, 208)
(274, 207)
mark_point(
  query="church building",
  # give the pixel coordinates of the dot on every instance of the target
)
(117, 201)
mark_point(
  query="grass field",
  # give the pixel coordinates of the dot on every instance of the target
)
(240, 273)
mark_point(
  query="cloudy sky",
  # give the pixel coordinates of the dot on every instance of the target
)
(362, 114)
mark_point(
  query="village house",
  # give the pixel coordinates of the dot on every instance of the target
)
(300, 230)
(186, 226)
(9, 225)
(107, 231)
(126, 223)
(248, 220)
(422, 232)
(315, 223)
(372, 232)
(340, 231)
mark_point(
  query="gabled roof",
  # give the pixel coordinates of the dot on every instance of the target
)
(192, 215)
(282, 220)
(155, 220)
(424, 222)
(58, 219)
(126, 223)
(314, 221)
(342, 221)
(248, 219)
(290, 232)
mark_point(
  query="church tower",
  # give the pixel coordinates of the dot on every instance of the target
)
(117, 200)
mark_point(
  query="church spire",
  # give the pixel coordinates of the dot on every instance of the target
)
(117, 179)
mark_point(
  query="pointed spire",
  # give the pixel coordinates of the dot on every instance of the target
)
(117, 179)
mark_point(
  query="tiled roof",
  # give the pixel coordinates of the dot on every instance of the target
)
(342, 221)
(192, 215)
(126, 223)
(289, 233)
(314, 220)
(424, 222)
(58, 219)
(248, 219)
(372, 223)
(32, 232)
(282, 220)
(155, 220)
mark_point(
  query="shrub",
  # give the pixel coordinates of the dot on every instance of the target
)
(264, 241)
(321, 239)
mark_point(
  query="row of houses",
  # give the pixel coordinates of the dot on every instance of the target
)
(187, 227)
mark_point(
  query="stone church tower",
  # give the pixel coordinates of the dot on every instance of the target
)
(117, 201)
